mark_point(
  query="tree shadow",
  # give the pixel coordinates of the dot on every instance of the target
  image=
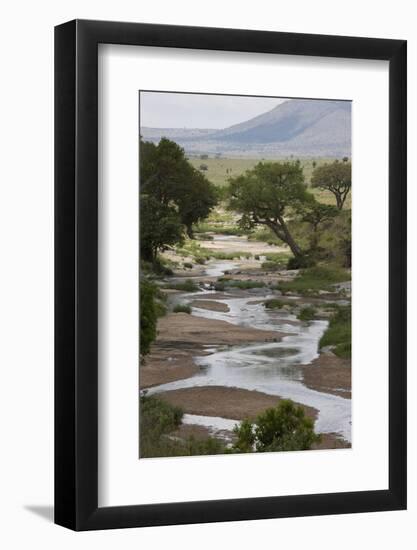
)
(45, 512)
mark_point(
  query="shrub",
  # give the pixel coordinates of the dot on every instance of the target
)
(182, 308)
(148, 315)
(299, 263)
(339, 333)
(200, 261)
(245, 285)
(273, 303)
(188, 265)
(310, 281)
(184, 286)
(283, 428)
(307, 313)
(157, 419)
(162, 267)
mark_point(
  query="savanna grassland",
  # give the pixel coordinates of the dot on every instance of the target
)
(220, 169)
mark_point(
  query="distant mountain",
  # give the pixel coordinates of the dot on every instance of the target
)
(298, 127)
(155, 134)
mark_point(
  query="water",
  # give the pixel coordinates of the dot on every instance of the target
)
(273, 368)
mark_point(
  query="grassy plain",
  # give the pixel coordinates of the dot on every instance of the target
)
(219, 170)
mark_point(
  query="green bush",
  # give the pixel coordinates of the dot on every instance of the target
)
(299, 263)
(277, 257)
(148, 315)
(188, 265)
(182, 308)
(307, 313)
(245, 285)
(310, 281)
(217, 255)
(339, 333)
(274, 303)
(157, 419)
(184, 286)
(282, 428)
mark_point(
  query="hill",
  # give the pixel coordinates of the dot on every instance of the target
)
(301, 127)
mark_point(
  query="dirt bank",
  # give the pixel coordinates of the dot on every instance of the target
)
(211, 305)
(234, 403)
(189, 329)
(166, 364)
(329, 374)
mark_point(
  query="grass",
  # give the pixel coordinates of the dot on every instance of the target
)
(157, 420)
(244, 285)
(274, 303)
(185, 286)
(220, 169)
(313, 279)
(218, 255)
(222, 229)
(272, 266)
(182, 308)
(307, 313)
(339, 333)
(200, 254)
(265, 235)
(277, 257)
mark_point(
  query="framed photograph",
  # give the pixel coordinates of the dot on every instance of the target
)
(230, 251)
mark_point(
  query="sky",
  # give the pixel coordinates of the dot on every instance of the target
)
(177, 110)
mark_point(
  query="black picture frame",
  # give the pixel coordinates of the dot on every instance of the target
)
(76, 272)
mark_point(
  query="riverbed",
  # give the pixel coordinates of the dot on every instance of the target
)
(274, 368)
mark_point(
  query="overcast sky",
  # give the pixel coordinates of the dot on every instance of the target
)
(175, 110)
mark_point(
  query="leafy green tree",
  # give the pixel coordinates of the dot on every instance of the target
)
(267, 195)
(283, 428)
(174, 188)
(336, 178)
(317, 214)
(196, 197)
(160, 227)
(163, 168)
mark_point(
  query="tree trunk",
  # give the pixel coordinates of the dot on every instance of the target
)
(189, 230)
(282, 232)
(339, 201)
(147, 254)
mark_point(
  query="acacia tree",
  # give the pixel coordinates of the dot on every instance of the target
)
(267, 195)
(336, 178)
(315, 214)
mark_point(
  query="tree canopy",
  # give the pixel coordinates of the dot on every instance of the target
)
(269, 194)
(336, 178)
(173, 196)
